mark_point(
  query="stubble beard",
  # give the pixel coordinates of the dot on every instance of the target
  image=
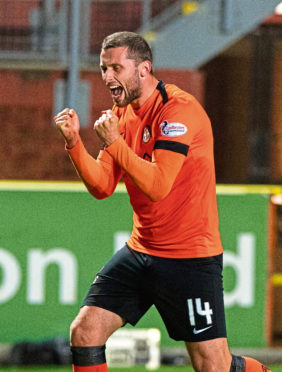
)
(133, 90)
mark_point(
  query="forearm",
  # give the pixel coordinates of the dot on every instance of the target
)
(99, 176)
(154, 178)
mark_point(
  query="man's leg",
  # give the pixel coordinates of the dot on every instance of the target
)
(89, 333)
(214, 355)
(114, 298)
(210, 356)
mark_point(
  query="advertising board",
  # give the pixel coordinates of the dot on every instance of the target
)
(54, 238)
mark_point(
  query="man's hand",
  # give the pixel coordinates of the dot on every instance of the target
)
(107, 127)
(67, 122)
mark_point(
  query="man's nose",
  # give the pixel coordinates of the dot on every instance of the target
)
(108, 76)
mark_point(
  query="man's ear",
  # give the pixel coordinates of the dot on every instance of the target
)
(145, 68)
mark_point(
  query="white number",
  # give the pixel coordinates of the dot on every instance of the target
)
(202, 311)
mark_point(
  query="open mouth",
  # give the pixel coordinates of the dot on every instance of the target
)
(116, 91)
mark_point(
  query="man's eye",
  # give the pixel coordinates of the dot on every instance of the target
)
(116, 68)
(103, 69)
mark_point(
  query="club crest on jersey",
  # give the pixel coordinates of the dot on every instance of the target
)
(146, 134)
(172, 129)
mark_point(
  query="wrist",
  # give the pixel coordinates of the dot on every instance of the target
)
(109, 141)
(71, 143)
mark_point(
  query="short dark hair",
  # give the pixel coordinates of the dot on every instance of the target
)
(138, 48)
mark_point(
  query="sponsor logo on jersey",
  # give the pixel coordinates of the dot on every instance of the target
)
(146, 134)
(172, 129)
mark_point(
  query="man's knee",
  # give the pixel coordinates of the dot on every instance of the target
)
(93, 326)
(84, 330)
(80, 334)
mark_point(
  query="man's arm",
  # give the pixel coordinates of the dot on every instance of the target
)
(154, 178)
(99, 176)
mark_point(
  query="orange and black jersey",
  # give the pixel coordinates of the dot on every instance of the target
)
(165, 156)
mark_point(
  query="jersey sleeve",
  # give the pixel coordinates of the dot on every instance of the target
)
(180, 123)
(99, 176)
(154, 179)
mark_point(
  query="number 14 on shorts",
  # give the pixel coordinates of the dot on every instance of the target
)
(202, 309)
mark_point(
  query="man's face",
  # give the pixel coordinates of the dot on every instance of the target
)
(120, 75)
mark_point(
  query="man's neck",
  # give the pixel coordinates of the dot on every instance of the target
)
(147, 90)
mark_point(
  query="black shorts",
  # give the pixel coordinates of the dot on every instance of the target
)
(188, 293)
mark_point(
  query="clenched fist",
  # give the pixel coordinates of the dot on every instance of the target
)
(67, 122)
(107, 127)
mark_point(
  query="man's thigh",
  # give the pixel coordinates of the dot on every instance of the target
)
(119, 286)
